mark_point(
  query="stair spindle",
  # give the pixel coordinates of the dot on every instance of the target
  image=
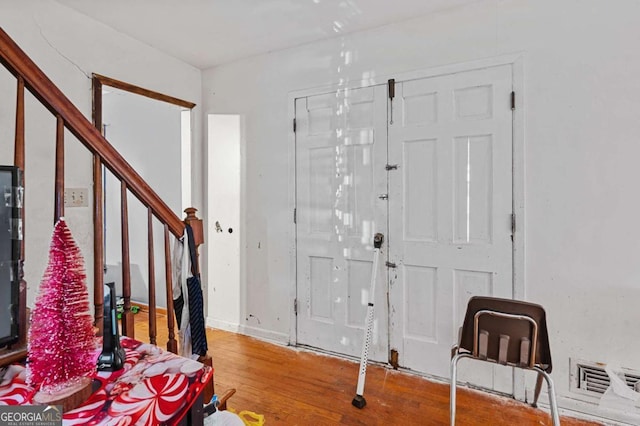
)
(98, 216)
(59, 173)
(19, 161)
(127, 315)
(152, 280)
(98, 245)
(172, 344)
(19, 155)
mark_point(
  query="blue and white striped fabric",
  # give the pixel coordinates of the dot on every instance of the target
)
(196, 303)
(188, 299)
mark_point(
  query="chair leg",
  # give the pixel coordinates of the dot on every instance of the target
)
(537, 391)
(552, 397)
(452, 396)
(453, 386)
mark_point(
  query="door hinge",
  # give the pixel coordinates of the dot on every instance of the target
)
(391, 167)
(393, 359)
(513, 223)
(513, 100)
(391, 90)
(294, 125)
(390, 264)
(295, 306)
(295, 215)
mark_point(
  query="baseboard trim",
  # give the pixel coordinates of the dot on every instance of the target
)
(145, 308)
(222, 325)
(259, 333)
(590, 411)
(268, 335)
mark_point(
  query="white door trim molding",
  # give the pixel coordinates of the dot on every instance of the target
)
(291, 159)
(518, 199)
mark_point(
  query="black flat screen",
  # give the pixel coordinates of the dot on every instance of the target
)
(10, 236)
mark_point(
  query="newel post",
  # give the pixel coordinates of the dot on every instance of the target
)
(198, 231)
(198, 238)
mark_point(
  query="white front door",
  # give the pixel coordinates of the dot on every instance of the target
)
(448, 214)
(340, 149)
(450, 206)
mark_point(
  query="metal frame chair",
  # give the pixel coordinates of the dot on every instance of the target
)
(507, 332)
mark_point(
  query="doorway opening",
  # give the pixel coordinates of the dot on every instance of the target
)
(153, 132)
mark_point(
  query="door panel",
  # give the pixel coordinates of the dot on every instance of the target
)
(340, 150)
(449, 213)
(420, 164)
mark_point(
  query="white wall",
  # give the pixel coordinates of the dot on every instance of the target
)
(68, 47)
(146, 132)
(581, 103)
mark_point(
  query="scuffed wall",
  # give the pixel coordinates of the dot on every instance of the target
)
(581, 101)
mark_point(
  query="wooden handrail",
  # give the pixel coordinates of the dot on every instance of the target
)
(21, 66)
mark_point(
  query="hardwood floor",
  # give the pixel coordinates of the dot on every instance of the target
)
(298, 387)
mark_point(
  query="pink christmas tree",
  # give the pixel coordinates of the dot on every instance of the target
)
(61, 336)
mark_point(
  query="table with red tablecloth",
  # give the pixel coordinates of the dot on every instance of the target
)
(155, 387)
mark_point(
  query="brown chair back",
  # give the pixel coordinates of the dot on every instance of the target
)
(515, 329)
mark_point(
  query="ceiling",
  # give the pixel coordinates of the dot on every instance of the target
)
(206, 33)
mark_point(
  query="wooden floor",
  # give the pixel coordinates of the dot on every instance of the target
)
(297, 387)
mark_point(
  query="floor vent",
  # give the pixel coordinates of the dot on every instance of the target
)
(594, 380)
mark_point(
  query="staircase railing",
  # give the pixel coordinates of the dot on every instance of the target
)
(30, 77)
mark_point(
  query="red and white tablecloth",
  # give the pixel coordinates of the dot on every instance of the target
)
(154, 387)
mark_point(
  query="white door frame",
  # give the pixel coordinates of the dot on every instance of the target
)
(518, 183)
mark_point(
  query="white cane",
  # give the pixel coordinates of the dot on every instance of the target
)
(358, 400)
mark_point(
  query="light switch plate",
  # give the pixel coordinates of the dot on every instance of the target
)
(76, 197)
